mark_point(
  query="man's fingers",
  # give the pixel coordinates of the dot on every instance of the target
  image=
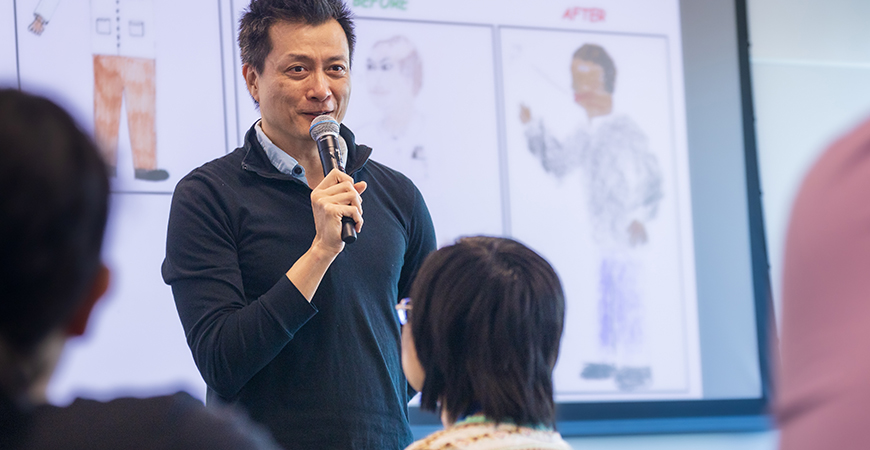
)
(343, 193)
(338, 196)
(360, 187)
(342, 187)
(336, 176)
(337, 181)
(355, 214)
(340, 211)
(351, 199)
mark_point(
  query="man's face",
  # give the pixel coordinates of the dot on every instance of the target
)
(588, 83)
(388, 86)
(306, 74)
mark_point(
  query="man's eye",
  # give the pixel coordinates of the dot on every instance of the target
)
(296, 69)
(338, 68)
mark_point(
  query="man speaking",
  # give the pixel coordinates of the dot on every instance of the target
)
(281, 316)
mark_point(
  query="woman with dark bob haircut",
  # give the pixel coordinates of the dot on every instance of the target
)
(482, 336)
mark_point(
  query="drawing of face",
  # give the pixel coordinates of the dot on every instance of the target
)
(394, 74)
(306, 74)
(588, 85)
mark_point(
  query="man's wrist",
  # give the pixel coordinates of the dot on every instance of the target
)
(322, 253)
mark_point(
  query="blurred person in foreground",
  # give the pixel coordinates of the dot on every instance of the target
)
(824, 377)
(54, 192)
(481, 339)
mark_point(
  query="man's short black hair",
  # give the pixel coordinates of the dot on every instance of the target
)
(596, 54)
(54, 191)
(254, 42)
(486, 321)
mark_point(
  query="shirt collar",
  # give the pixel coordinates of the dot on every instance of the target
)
(285, 163)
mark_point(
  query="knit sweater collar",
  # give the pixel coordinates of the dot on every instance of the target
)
(257, 161)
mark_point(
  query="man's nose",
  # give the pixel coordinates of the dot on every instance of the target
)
(319, 89)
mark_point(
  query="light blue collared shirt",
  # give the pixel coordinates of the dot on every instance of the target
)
(285, 163)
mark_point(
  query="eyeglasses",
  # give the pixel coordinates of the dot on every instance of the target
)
(402, 309)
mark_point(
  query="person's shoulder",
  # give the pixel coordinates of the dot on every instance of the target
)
(221, 171)
(491, 436)
(390, 180)
(220, 165)
(381, 170)
(618, 130)
(465, 435)
(619, 121)
(395, 187)
(214, 427)
(170, 421)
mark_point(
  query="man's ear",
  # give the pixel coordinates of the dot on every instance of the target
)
(79, 320)
(251, 80)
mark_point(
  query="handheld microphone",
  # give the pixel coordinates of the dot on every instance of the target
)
(324, 131)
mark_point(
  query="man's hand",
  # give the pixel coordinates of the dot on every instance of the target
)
(335, 197)
(38, 25)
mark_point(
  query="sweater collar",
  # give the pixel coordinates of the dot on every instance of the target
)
(257, 161)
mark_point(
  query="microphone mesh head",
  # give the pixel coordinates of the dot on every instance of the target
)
(323, 125)
(342, 153)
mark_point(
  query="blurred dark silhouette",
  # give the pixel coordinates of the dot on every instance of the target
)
(54, 193)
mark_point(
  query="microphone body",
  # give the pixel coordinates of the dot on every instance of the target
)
(324, 131)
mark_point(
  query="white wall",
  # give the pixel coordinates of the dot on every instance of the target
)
(810, 68)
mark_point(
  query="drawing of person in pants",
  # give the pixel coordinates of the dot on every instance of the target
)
(123, 44)
(623, 185)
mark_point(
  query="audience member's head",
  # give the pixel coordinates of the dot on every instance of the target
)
(483, 332)
(54, 192)
(824, 377)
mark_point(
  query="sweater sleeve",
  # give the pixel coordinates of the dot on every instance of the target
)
(421, 242)
(230, 336)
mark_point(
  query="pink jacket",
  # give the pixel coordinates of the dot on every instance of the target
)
(824, 377)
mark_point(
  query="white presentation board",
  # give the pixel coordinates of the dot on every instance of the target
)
(566, 126)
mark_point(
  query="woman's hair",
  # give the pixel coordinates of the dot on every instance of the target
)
(486, 321)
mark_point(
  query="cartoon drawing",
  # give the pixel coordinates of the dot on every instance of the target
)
(394, 72)
(394, 77)
(123, 44)
(623, 188)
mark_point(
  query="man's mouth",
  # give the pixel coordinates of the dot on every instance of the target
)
(318, 113)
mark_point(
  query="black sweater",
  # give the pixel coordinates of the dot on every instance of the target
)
(325, 374)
